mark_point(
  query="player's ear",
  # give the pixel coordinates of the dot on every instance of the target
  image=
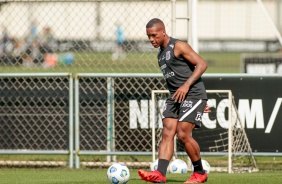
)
(164, 33)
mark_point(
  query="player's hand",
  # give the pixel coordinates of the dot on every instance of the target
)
(207, 109)
(180, 94)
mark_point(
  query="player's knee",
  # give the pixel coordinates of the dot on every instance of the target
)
(183, 136)
(168, 135)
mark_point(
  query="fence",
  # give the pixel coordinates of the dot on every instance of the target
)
(107, 98)
(57, 118)
(80, 36)
(36, 115)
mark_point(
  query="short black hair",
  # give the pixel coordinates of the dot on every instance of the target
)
(153, 22)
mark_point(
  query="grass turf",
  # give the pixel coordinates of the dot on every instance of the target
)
(98, 176)
(99, 62)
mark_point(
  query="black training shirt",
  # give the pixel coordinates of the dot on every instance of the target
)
(176, 71)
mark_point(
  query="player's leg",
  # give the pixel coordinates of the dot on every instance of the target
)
(166, 146)
(190, 117)
(166, 149)
(184, 134)
(192, 148)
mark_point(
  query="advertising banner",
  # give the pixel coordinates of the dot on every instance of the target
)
(259, 101)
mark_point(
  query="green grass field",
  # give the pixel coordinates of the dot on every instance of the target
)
(91, 62)
(269, 172)
(98, 176)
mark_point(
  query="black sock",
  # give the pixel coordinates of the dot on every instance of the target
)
(198, 167)
(162, 166)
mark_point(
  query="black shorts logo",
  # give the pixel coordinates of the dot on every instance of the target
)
(199, 116)
(187, 103)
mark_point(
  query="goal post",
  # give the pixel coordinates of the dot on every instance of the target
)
(222, 133)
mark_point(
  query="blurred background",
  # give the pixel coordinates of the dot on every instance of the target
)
(110, 36)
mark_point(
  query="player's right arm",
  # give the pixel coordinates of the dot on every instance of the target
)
(182, 49)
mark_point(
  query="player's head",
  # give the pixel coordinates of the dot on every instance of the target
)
(156, 32)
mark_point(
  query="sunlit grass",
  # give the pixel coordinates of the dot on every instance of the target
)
(135, 62)
(98, 176)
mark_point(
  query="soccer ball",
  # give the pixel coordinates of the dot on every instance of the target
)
(178, 166)
(154, 165)
(118, 174)
(206, 166)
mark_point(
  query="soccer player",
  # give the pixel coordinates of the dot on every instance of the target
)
(182, 69)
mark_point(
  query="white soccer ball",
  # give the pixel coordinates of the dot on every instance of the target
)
(154, 165)
(178, 166)
(118, 174)
(206, 166)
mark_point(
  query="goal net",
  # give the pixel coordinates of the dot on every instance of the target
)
(222, 137)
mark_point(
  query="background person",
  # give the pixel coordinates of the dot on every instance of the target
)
(120, 43)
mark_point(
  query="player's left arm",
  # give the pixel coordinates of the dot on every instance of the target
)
(182, 49)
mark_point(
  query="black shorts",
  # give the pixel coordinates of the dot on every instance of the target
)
(190, 110)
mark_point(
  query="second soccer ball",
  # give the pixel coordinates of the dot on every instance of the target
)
(178, 166)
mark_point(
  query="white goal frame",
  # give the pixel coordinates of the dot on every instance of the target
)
(230, 120)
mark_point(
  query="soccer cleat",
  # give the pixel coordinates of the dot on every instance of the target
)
(152, 176)
(197, 178)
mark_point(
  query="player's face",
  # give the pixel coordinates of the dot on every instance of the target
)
(156, 36)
